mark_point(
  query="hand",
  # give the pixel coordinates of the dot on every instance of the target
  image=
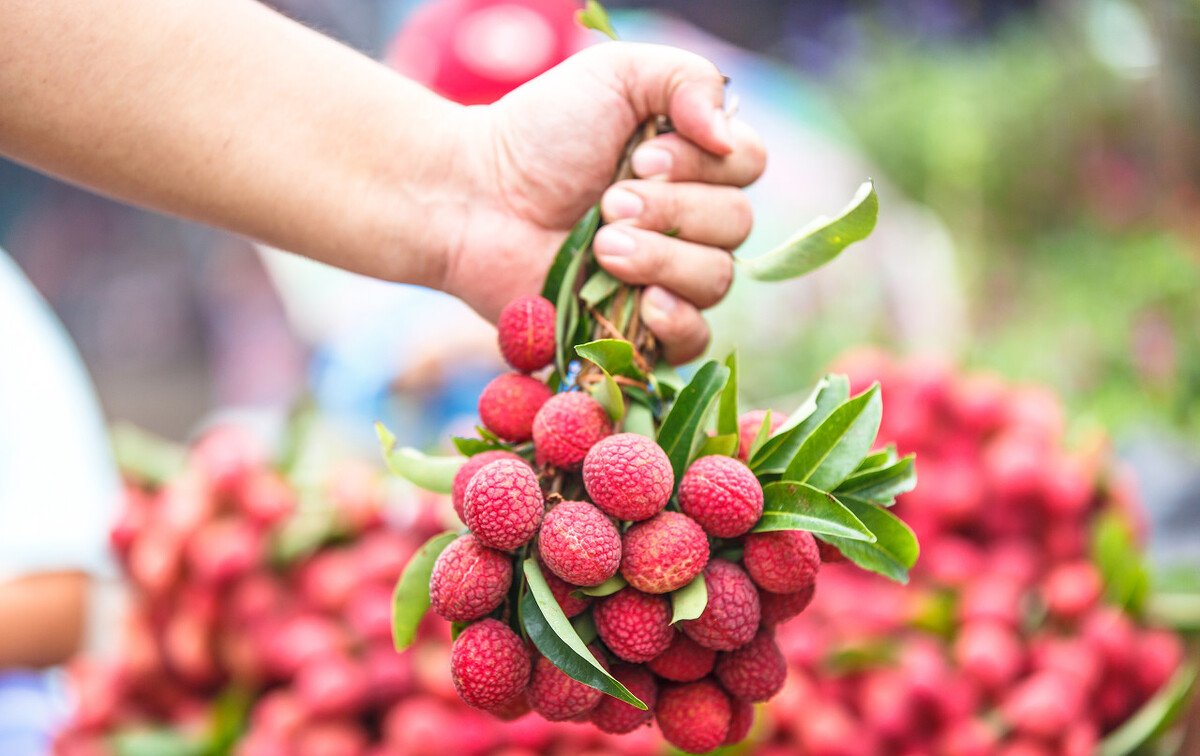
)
(542, 155)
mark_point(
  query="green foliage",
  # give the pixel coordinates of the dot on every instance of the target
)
(431, 473)
(798, 506)
(410, 599)
(688, 602)
(607, 588)
(727, 410)
(894, 550)
(593, 16)
(726, 446)
(469, 447)
(837, 446)
(882, 484)
(1119, 560)
(576, 242)
(682, 429)
(1150, 721)
(777, 453)
(614, 356)
(156, 741)
(599, 287)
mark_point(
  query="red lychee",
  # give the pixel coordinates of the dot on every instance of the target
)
(613, 715)
(333, 686)
(989, 652)
(685, 660)
(635, 626)
(567, 427)
(512, 709)
(526, 333)
(469, 580)
(562, 591)
(778, 608)
(733, 612)
(1072, 589)
(504, 504)
(463, 477)
(1043, 705)
(558, 697)
(740, 721)
(508, 405)
(579, 544)
(754, 672)
(748, 426)
(628, 476)
(721, 494)
(782, 561)
(663, 553)
(694, 717)
(489, 664)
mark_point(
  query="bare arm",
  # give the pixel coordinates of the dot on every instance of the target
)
(44, 619)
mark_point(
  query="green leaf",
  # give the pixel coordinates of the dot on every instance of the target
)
(667, 380)
(431, 473)
(895, 549)
(727, 410)
(227, 719)
(556, 639)
(593, 16)
(761, 437)
(775, 455)
(578, 240)
(585, 627)
(682, 428)
(609, 395)
(156, 741)
(614, 356)
(469, 447)
(838, 444)
(881, 485)
(1154, 717)
(819, 241)
(410, 599)
(607, 588)
(599, 287)
(639, 419)
(725, 446)
(798, 506)
(876, 459)
(1116, 555)
(144, 456)
(688, 602)
(566, 312)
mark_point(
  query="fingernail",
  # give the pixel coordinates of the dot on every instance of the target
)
(721, 129)
(658, 303)
(622, 203)
(651, 161)
(611, 241)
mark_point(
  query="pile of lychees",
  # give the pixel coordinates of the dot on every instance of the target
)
(616, 548)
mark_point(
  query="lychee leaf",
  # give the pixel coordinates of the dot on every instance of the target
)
(727, 410)
(878, 459)
(410, 599)
(157, 741)
(839, 443)
(666, 380)
(607, 588)
(1155, 716)
(431, 473)
(881, 485)
(593, 16)
(682, 429)
(469, 447)
(578, 240)
(1115, 553)
(585, 627)
(639, 419)
(688, 602)
(609, 395)
(820, 241)
(895, 549)
(557, 640)
(725, 445)
(566, 311)
(614, 356)
(761, 436)
(773, 458)
(797, 506)
(599, 287)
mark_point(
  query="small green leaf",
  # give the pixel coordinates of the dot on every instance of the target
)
(578, 240)
(615, 356)
(819, 241)
(761, 437)
(876, 459)
(556, 639)
(156, 741)
(456, 629)
(609, 395)
(725, 446)
(1116, 555)
(566, 312)
(585, 627)
(775, 455)
(683, 426)
(667, 380)
(688, 602)
(839, 443)
(798, 506)
(469, 447)
(410, 599)
(727, 410)
(599, 287)
(639, 419)
(895, 549)
(607, 588)
(881, 485)
(593, 16)
(1154, 717)
(431, 473)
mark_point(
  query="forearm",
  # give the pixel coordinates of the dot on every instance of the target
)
(43, 623)
(225, 112)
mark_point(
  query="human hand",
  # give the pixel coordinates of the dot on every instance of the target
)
(541, 156)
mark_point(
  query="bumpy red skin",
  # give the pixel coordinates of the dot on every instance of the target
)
(557, 697)
(525, 330)
(721, 494)
(754, 672)
(685, 660)
(463, 477)
(613, 715)
(489, 664)
(741, 719)
(579, 544)
(782, 561)
(512, 709)
(567, 427)
(694, 717)
(562, 590)
(830, 554)
(508, 405)
(469, 580)
(733, 612)
(663, 553)
(628, 476)
(778, 608)
(504, 504)
(635, 626)
(748, 426)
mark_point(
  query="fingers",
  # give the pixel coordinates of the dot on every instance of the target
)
(697, 273)
(677, 159)
(678, 325)
(716, 216)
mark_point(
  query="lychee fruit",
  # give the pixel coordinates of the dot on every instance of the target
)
(989, 653)
(508, 405)
(721, 494)
(567, 427)
(685, 660)
(748, 426)
(1072, 589)
(526, 333)
(469, 580)
(512, 709)
(504, 504)
(562, 590)
(579, 544)
(694, 717)
(663, 553)
(830, 553)
(612, 715)
(556, 695)
(462, 478)
(628, 476)
(778, 608)
(489, 664)
(782, 561)
(635, 626)
(733, 612)
(754, 672)
(740, 721)
(1043, 705)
